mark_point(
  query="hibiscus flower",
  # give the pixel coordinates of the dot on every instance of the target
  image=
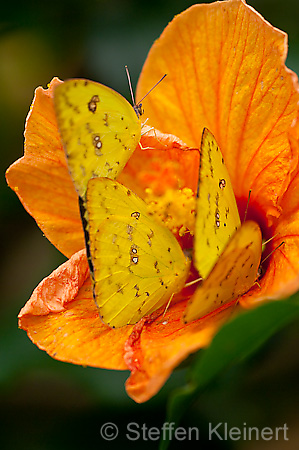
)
(226, 72)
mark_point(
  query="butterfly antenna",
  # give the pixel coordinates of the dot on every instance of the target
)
(167, 306)
(193, 282)
(130, 86)
(246, 210)
(158, 82)
(272, 252)
(271, 238)
(138, 107)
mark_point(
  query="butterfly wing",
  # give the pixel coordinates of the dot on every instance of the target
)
(98, 127)
(138, 264)
(217, 216)
(233, 274)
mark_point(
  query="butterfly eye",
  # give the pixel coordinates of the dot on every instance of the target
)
(138, 110)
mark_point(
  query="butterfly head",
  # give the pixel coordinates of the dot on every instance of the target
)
(138, 109)
(138, 106)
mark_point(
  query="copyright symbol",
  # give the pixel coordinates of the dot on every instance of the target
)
(109, 431)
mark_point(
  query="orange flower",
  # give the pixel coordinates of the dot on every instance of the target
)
(226, 71)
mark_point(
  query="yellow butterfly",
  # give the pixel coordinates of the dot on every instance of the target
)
(137, 263)
(226, 254)
(99, 129)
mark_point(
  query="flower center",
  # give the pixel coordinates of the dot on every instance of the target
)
(175, 209)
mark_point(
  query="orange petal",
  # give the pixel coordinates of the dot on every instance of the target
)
(282, 276)
(163, 161)
(154, 350)
(225, 71)
(289, 202)
(62, 319)
(41, 178)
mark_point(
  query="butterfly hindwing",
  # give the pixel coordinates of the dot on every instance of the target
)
(138, 264)
(98, 127)
(233, 274)
(217, 216)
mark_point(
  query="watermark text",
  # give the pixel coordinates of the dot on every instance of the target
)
(168, 431)
(223, 432)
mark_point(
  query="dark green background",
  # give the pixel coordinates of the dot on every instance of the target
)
(47, 404)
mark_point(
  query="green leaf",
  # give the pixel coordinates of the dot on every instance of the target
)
(235, 341)
(241, 337)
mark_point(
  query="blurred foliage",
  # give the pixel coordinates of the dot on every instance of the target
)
(46, 404)
(238, 339)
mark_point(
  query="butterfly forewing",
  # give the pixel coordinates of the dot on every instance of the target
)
(138, 264)
(98, 127)
(233, 274)
(217, 216)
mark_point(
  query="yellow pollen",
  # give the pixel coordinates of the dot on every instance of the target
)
(175, 209)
